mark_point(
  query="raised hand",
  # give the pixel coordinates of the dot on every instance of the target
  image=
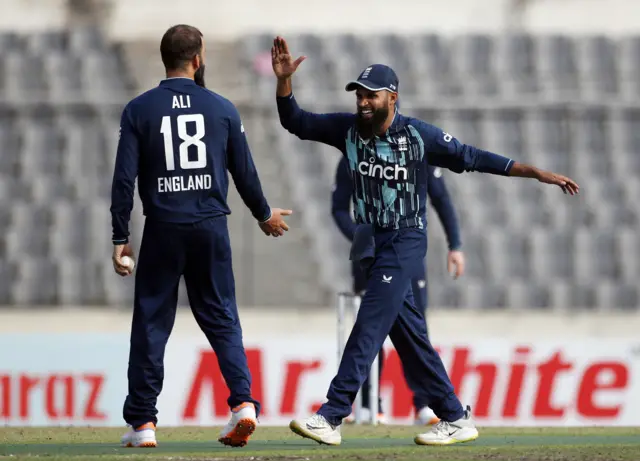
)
(276, 225)
(281, 60)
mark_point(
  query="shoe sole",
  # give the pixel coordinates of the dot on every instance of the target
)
(148, 445)
(239, 435)
(142, 445)
(302, 432)
(450, 441)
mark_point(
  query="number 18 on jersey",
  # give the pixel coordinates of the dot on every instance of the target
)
(190, 144)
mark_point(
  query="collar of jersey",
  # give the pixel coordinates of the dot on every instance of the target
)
(177, 81)
(396, 122)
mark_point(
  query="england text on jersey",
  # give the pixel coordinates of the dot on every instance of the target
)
(184, 183)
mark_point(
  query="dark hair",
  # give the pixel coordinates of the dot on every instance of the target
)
(179, 45)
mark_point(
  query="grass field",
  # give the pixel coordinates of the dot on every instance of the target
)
(359, 443)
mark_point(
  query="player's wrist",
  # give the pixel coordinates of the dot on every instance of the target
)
(269, 215)
(537, 173)
(284, 88)
(524, 170)
(455, 246)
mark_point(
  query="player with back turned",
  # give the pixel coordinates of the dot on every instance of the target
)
(180, 139)
(388, 155)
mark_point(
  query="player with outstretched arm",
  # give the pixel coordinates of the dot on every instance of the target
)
(362, 251)
(388, 155)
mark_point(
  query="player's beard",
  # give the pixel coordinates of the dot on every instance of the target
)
(198, 77)
(366, 128)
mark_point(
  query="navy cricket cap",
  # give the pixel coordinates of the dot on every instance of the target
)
(376, 77)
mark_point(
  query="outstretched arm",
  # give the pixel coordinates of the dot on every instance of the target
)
(245, 176)
(325, 128)
(522, 170)
(243, 170)
(442, 149)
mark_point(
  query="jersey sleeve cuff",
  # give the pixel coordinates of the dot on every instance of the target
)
(285, 98)
(509, 166)
(286, 104)
(268, 217)
(494, 163)
(122, 241)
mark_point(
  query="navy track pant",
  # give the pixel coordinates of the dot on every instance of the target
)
(419, 292)
(201, 252)
(388, 309)
(362, 258)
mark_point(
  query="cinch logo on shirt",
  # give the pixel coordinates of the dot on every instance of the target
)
(382, 172)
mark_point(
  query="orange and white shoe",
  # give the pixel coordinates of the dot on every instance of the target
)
(140, 437)
(426, 417)
(240, 427)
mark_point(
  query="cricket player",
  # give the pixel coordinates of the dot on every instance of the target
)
(388, 155)
(440, 199)
(179, 139)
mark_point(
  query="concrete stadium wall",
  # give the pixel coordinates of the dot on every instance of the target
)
(261, 323)
(32, 15)
(148, 19)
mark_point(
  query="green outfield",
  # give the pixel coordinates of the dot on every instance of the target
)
(359, 443)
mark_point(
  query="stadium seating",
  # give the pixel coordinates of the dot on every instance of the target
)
(567, 104)
(60, 97)
(571, 104)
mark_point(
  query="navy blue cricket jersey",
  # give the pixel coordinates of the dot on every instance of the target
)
(437, 192)
(389, 172)
(179, 140)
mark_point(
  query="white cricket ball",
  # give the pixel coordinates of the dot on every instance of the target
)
(127, 261)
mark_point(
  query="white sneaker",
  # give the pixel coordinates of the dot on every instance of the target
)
(447, 433)
(317, 428)
(240, 427)
(426, 417)
(140, 437)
